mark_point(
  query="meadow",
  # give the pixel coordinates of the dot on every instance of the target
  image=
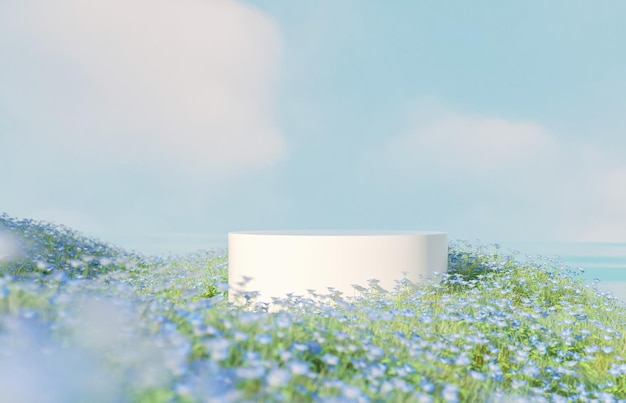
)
(82, 320)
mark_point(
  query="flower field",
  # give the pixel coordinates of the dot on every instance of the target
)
(81, 320)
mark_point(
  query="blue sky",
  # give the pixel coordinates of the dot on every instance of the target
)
(152, 122)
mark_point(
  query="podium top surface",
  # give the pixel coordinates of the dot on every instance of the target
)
(337, 232)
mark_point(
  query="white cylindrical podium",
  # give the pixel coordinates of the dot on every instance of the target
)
(282, 262)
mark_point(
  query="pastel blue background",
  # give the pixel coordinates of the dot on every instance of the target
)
(162, 125)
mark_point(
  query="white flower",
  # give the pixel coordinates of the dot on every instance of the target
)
(278, 377)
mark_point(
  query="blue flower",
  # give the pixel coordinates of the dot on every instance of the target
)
(330, 359)
(264, 339)
(607, 349)
(313, 347)
(298, 367)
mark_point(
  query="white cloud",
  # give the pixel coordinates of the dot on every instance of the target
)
(458, 144)
(604, 218)
(161, 84)
(502, 179)
(612, 188)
